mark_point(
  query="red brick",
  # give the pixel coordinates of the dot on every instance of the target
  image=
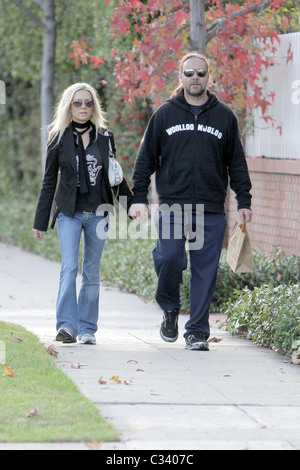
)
(276, 204)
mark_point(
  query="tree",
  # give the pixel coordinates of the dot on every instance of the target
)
(48, 26)
(236, 37)
(157, 30)
(201, 33)
(21, 68)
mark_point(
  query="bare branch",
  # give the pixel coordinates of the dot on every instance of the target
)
(216, 26)
(31, 15)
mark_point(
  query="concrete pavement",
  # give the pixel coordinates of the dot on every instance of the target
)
(238, 396)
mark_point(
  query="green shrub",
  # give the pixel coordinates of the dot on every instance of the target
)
(275, 268)
(17, 215)
(128, 265)
(269, 316)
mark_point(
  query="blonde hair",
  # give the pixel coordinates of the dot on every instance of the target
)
(62, 116)
(190, 55)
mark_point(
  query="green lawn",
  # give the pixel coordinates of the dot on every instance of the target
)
(63, 413)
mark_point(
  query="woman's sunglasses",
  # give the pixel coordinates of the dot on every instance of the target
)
(79, 103)
(191, 72)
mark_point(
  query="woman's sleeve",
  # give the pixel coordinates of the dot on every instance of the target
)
(47, 193)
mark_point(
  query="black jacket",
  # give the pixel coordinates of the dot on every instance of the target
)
(63, 157)
(193, 156)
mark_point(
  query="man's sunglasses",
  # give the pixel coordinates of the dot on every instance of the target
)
(191, 72)
(79, 103)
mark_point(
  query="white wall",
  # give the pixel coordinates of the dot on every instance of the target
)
(284, 79)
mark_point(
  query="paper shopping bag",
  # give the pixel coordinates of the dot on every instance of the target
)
(239, 253)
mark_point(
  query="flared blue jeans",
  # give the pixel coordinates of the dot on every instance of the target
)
(79, 314)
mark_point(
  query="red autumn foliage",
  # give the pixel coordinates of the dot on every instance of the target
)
(242, 43)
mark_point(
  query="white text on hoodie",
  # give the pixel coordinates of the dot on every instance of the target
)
(191, 127)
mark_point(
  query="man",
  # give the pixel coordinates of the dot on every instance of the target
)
(193, 144)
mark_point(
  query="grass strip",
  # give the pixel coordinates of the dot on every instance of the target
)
(64, 414)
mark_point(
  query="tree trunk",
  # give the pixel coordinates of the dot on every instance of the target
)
(198, 26)
(48, 64)
(47, 73)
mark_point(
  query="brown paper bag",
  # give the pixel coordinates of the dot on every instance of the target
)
(239, 253)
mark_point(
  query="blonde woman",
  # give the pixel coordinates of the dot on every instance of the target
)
(78, 148)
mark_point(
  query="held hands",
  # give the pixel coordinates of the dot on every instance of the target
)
(139, 211)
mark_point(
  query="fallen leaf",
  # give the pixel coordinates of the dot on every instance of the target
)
(52, 351)
(8, 372)
(95, 445)
(133, 360)
(102, 382)
(214, 340)
(78, 366)
(32, 413)
(227, 375)
(140, 370)
(128, 383)
(115, 378)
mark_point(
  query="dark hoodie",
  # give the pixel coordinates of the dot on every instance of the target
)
(193, 156)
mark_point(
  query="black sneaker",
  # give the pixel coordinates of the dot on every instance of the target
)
(65, 336)
(169, 326)
(197, 342)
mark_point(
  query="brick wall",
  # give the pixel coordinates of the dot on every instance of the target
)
(276, 204)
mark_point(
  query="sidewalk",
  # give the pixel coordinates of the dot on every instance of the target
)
(238, 396)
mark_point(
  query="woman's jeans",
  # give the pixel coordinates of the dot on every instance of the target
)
(80, 316)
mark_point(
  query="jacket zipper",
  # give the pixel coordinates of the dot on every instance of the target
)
(194, 178)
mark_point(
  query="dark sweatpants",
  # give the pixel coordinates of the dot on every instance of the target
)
(170, 260)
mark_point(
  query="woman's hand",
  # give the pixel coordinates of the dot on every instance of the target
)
(38, 235)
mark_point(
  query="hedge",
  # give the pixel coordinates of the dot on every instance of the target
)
(269, 316)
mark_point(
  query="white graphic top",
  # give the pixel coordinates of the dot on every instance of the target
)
(93, 169)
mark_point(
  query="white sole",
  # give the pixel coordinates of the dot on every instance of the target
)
(198, 347)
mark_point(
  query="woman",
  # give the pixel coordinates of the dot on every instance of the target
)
(78, 148)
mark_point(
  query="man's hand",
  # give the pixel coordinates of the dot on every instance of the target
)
(139, 211)
(38, 235)
(245, 216)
